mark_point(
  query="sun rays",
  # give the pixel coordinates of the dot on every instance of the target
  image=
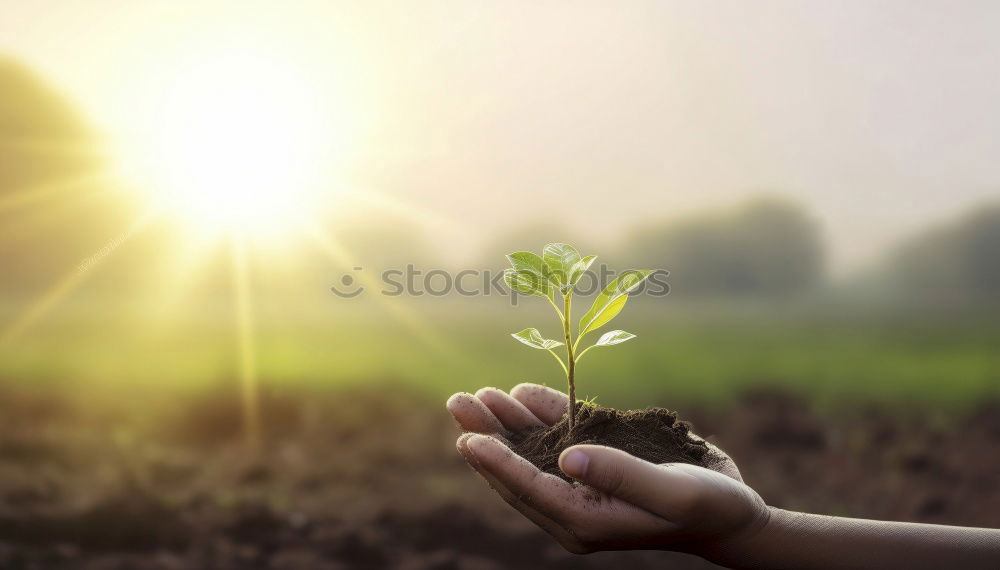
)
(187, 256)
(41, 193)
(235, 172)
(244, 326)
(66, 285)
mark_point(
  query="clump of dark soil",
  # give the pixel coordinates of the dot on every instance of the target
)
(654, 434)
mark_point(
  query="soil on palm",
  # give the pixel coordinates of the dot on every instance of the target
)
(654, 434)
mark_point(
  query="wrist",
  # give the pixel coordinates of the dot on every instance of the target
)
(744, 548)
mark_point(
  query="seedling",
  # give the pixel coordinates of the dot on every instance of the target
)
(558, 270)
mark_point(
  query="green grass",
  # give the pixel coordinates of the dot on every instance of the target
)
(682, 354)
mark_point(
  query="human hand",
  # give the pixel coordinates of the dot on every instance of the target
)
(620, 502)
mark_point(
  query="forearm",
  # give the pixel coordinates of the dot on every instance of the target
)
(803, 541)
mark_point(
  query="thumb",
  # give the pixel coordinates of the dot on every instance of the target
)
(667, 490)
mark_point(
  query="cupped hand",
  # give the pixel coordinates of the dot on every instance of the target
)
(620, 501)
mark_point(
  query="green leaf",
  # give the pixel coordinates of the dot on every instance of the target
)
(560, 258)
(611, 300)
(579, 268)
(602, 317)
(614, 337)
(534, 339)
(527, 283)
(527, 261)
(531, 264)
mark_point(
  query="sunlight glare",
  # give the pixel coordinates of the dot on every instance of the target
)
(237, 147)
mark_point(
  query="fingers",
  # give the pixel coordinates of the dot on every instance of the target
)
(558, 531)
(511, 413)
(493, 411)
(543, 492)
(473, 415)
(546, 404)
(666, 490)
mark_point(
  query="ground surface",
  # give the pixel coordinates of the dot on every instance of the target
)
(359, 480)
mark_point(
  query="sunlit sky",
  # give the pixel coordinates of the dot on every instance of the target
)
(880, 116)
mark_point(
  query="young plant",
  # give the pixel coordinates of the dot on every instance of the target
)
(558, 270)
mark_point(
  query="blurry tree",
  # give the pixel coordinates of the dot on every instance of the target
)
(766, 247)
(956, 261)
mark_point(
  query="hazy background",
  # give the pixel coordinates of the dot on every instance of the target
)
(781, 151)
(876, 115)
(822, 181)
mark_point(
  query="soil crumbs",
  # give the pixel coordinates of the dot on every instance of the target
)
(655, 434)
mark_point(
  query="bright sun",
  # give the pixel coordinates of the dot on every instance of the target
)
(237, 145)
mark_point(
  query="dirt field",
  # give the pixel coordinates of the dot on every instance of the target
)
(357, 480)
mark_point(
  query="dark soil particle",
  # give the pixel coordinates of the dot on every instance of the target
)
(655, 435)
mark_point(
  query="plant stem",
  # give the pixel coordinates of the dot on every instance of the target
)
(571, 362)
(559, 360)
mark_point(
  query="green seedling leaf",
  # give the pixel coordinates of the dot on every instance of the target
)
(534, 339)
(528, 283)
(537, 273)
(527, 261)
(579, 268)
(608, 339)
(611, 300)
(560, 258)
(614, 337)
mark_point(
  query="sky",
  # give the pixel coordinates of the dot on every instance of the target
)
(880, 116)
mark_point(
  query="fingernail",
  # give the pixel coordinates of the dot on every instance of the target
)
(574, 463)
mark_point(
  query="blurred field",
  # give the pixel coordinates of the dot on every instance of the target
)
(686, 352)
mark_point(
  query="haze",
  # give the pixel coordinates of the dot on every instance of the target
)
(878, 116)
